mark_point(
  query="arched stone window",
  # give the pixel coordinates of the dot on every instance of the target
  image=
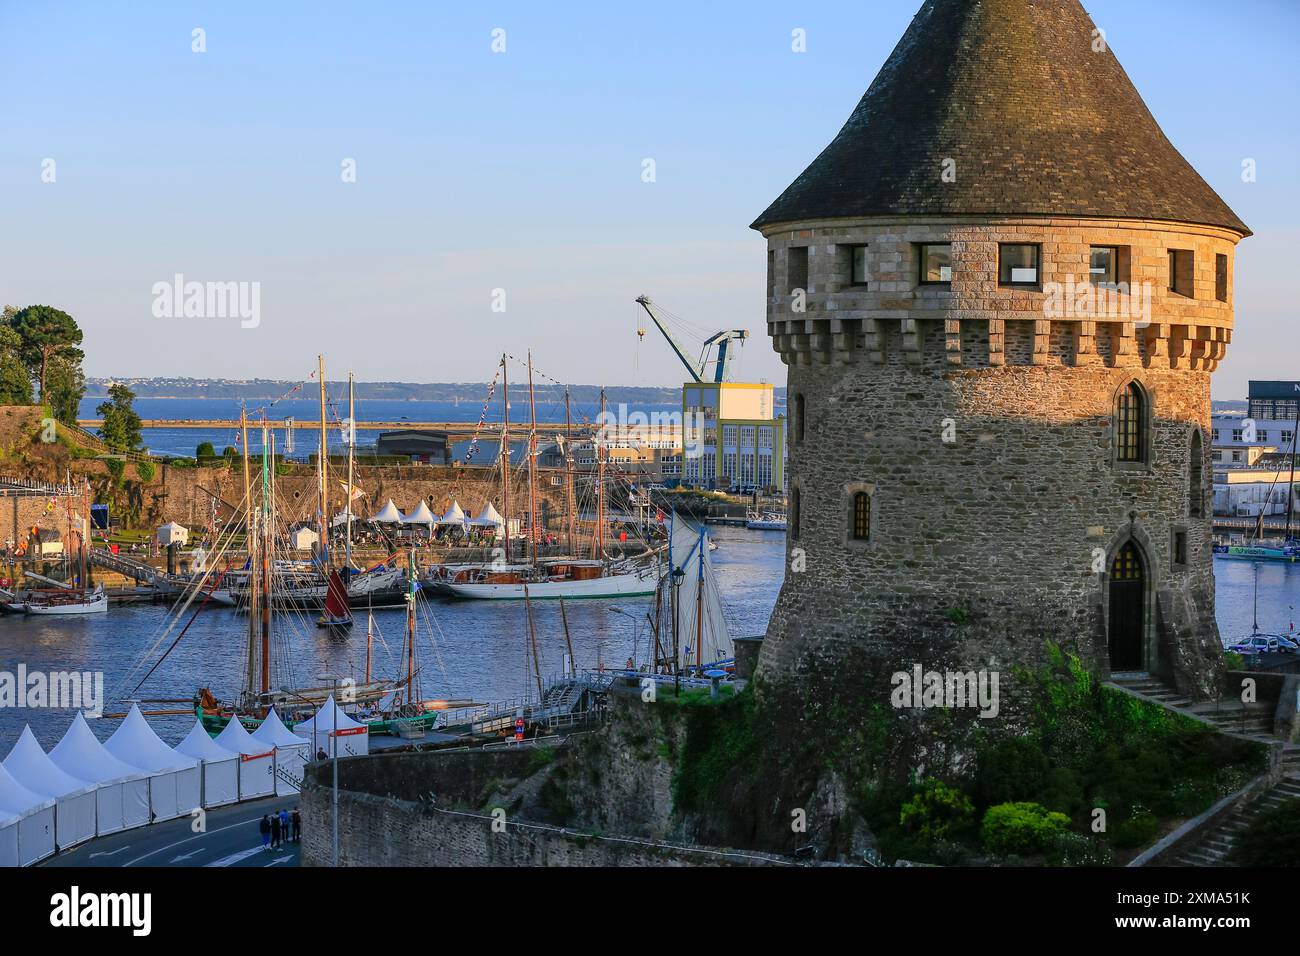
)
(860, 517)
(1196, 476)
(1132, 416)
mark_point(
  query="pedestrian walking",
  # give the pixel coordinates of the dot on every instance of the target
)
(284, 825)
(297, 826)
(265, 828)
(275, 830)
(322, 755)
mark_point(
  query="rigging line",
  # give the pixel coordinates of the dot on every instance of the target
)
(193, 618)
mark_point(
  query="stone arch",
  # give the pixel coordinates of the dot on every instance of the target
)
(1133, 536)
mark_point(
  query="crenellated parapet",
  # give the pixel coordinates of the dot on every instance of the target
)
(843, 292)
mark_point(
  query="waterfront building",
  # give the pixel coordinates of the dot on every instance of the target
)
(731, 436)
(980, 465)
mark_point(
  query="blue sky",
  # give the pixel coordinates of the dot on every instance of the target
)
(520, 171)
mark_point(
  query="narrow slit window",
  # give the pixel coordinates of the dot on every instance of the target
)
(861, 517)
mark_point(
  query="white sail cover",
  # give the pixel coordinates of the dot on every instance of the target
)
(220, 766)
(420, 514)
(74, 800)
(256, 760)
(290, 752)
(330, 729)
(489, 517)
(455, 514)
(174, 781)
(122, 793)
(26, 823)
(698, 600)
(388, 514)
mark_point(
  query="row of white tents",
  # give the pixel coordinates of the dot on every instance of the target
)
(84, 788)
(455, 517)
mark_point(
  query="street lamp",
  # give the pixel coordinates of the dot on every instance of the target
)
(679, 573)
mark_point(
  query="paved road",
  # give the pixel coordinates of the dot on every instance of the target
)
(231, 839)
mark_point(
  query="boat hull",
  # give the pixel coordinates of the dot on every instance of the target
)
(98, 605)
(611, 586)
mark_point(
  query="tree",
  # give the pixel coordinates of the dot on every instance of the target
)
(15, 383)
(47, 333)
(205, 450)
(121, 428)
(65, 388)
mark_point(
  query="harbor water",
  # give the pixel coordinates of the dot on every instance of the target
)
(467, 650)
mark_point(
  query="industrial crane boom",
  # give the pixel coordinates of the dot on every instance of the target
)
(698, 369)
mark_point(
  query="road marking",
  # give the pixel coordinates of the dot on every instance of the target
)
(200, 836)
(111, 852)
(236, 857)
(186, 856)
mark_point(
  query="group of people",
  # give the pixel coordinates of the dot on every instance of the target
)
(279, 827)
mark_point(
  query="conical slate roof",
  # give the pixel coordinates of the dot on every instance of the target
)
(1036, 122)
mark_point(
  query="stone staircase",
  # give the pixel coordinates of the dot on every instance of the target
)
(1229, 715)
(1214, 849)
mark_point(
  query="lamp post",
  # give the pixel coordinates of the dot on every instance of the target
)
(678, 574)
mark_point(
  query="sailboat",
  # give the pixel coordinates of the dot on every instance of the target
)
(63, 599)
(337, 614)
(536, 578)
(688, 627)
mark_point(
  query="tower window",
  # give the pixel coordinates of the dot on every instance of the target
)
(936, 262)
(1180, 548)
(1182, 276)
(793, 517)
(796, 268)
(1131, 424)
(860, 529)
(1195, 473)
(857, 265)
(800, 412)
(1103, 265)
(771, 273)
(1018, 264)
(1221, 277)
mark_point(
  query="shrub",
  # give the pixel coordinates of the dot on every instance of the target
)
(1272, 839)
(1234, 661)
(116, 469)
(935, 810)
(1138, 830)
(1077, 849)
(205, 450)
(145, 470)
(1021, 828)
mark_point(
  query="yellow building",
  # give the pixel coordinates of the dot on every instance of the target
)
(731, 437)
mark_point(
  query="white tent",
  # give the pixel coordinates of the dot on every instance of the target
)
(455, 514)
(173, 533)
(489, 517)
(174, 784)
(256, 760)
(303, 539)
(329, 728)
(340, 519)
(122, 796)
(220, 766)
(420, 514)
(290, 752)
(388, 514)
(26, 823)
(74, 800)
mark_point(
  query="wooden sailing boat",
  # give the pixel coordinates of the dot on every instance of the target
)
(554, 578)
(337, 615)
(64, 600)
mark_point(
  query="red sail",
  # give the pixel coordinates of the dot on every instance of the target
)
(336, 598)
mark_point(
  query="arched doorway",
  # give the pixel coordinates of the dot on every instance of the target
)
(1127, 608)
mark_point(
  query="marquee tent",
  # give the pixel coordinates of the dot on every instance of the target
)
(388, 514)
(420, 514)
(455, 514)
(290, 752)
(74, 800)
(26, 823)
(220, 766)
(256, 760)
(122, 795)
(489, 517)
(329, 728)
(174, 779)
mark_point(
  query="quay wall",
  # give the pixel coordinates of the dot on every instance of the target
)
(436, 809)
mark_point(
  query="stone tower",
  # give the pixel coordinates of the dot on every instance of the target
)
(1000, 292)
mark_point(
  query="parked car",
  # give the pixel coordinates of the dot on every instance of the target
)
(1255, 644)
(1287, 645)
